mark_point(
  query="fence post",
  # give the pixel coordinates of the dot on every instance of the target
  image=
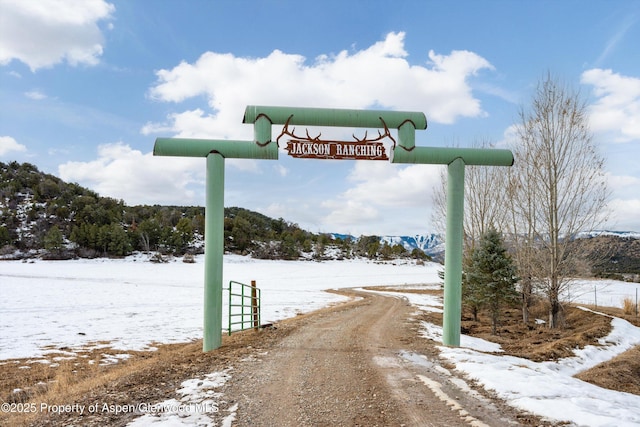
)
(254, 305)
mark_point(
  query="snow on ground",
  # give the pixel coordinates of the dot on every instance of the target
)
(426, 302)
(607, 293)
(198, 399)
(132, 304)
(549, 389)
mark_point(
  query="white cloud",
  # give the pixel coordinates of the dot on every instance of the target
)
(622, 182)
(379, 75)
(617, 107)
(246, 165)
(281, 170)
(276, 210)
(35, 95)
(198, 124)
(45, 32)
(348, 214)
(8, 144)
(141, 178)
(393, 185)
(382, 187)
(624, 215)
(624, 206)
(138, 178)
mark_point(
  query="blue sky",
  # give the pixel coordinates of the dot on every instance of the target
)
(87, 85)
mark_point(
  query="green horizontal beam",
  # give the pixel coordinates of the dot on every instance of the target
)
(444, 156)
(186, 147)
(334, 117)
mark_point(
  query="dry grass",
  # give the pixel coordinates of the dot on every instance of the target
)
(62, 379)
(154, 376)
(621, 373)
(629, 306)
(539, 343)
(146, 377)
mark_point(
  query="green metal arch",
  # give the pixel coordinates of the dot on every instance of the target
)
(186, 147)
(334, 117)
(445, 155)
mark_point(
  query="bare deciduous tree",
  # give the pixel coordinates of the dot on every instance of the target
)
(485, 200)
(558, 187)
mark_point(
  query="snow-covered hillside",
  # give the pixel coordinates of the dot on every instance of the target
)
(599, 233)
(430, 244)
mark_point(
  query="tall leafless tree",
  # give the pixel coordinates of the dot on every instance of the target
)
(558, 187)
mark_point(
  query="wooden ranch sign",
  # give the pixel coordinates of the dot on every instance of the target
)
(336, 150)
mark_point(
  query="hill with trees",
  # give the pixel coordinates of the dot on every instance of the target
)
(41, 215)
(44, 216)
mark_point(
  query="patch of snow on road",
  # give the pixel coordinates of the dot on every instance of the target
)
(198, 405)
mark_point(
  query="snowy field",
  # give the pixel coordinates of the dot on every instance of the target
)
(133, 304)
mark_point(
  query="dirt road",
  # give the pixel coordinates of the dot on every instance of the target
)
(356, 366)
(362, 363)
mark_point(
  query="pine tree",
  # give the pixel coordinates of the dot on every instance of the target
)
(492, 276)
(5, 237)
(54, 240)
(472, 292)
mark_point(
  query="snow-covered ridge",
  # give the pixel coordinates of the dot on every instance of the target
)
(598, 233)
(430, 244)
(433, 244)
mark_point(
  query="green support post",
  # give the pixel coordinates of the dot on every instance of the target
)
(453, 254)
(215, 152)
(213, 251)
(455, 159)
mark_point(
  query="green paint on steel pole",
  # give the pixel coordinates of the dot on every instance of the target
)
(262, 131)
(213, 251)
(188, 147)
(334, 117)
(453, 254)
(215, 152)
(446, 155)
(407, 135)
(456, 159)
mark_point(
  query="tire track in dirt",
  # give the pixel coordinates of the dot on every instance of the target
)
(353, 366)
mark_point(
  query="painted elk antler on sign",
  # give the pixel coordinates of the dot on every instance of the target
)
(315, 148)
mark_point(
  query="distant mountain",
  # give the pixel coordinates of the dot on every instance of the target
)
(430, 244)
(612, 254)
(602, 233)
